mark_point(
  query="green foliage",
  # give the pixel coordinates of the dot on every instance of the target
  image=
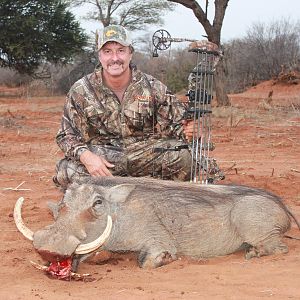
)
(172, 69)
(36, 31)
(180, 67)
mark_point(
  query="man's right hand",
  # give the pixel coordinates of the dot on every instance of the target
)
(96, 165)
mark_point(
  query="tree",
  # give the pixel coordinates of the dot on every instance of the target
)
(173, 68)
(274, 47)
(37, 31)
(132, 14)
(213, 32)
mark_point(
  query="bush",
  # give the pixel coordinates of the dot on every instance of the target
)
(262, 54)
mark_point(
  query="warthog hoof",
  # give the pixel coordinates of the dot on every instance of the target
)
(149, 261)
(263, 250)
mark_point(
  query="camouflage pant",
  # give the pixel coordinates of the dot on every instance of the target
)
(146, 158)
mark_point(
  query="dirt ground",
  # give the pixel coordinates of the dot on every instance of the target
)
(257, 144)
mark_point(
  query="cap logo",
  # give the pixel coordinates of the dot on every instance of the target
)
(111, 32)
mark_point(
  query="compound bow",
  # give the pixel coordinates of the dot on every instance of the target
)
(204, 169)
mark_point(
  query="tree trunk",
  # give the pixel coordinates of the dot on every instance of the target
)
(220, 86)
(213, 32)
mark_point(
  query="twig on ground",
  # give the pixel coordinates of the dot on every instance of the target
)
(51, 122)
(293, 141)
(17, 188)
(295, 170)
(231, 167)
(294, 108)
(10, 113)
(273, 170)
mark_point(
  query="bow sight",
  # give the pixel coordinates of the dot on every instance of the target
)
(162, 40)
(198, 105)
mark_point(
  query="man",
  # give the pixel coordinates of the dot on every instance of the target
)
(120, 121)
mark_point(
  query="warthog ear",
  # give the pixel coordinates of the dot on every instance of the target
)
(119, 193)
(54, 208)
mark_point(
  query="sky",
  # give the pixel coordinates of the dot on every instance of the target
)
(239, 17)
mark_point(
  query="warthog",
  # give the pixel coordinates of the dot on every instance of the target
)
(161, 220)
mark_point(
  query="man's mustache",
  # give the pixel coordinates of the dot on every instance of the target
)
(113, 62)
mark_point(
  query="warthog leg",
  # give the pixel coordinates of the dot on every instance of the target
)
(77, 259)
(270, 246)
(149, 260)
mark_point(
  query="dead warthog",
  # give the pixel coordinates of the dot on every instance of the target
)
(161, 220)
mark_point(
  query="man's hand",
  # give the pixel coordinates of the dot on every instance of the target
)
(204, 45)
(96, 165)
(188, 128)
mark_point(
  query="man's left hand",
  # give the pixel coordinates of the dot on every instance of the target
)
(189, 126)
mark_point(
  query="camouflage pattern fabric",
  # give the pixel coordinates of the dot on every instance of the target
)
(138, 159)
(113, 33)
(148, 116)
(93, 114)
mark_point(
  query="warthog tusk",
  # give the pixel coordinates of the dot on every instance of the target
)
(19, 222)
(81, 249)
(92, 246)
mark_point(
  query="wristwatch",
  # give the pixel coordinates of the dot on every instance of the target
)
(80, 151)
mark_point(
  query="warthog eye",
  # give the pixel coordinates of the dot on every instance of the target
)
(97, 202)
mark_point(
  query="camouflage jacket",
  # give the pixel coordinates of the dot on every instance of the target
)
(94, 115)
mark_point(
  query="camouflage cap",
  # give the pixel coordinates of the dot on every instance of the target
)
(113, 33)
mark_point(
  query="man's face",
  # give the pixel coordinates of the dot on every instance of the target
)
(115, 58)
